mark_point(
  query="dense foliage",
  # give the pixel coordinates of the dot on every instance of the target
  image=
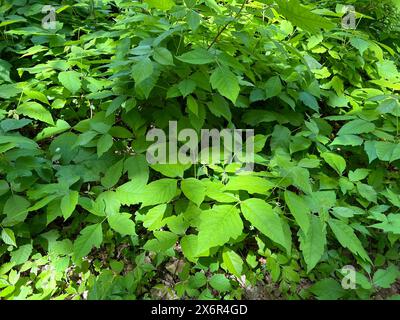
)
(84, 216)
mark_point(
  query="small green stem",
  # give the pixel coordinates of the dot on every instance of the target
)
(227, 24)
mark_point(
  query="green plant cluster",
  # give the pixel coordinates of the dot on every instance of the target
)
(84, 216)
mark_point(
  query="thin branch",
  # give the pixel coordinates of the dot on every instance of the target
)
(227, 24)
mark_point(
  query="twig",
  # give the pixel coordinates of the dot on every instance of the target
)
(227, 24)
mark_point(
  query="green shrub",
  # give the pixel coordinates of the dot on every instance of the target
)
(83, 215)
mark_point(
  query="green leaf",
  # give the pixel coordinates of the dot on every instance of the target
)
(113, 174)
(347, 212)
(192, 105)
(220, 282)
(144, 88)
(130, 192)
(251, 184)
(337, 85)
(9, 90)
(4, 187)
(154, 217)
(214, 191)
(312, 242)
(385, 278)
(85, 138)
(302, 17)
(347, 140)
(163, 5)
(187, 87)
(107, 203)
(299, 209)
(97, 207)
(327, 289)
(14, 124)
(259, 141)
(163, 56)
(189, 248)
(213, 5)
(21, 255)
(356, 127)
(299, 143)
(138, 169)
(197, 56)
(301, 179)
(172, 170)
(142, 70)
(115, 104)
(280, 138)
(104, 144)
(60, 127)
(309, 100)
(193, 19)
(217, 226)
(198, 280)
(8, 237)
(387, 151)
(335, 161)
(264, 218)
(91, 236)
(384, 150)
(5, 71)
(233, 262)
(358, 174)
(226, 83)
(15, 209)
(321, 200)
(120, 132)
(367, 192)
(390, 224)
(157, 192)
(164, 241)
(122, 223)
(194, 190)
(36, 111)
(390, 105)
(369, 147)
(68, 203)
(64, 247)
(220, 107)
(348, 238)
(359, 44)
(273, 87)
(37, 96)
(387, 69)
(71, 80)
(393, 197)
(363, 281)
(11, 21)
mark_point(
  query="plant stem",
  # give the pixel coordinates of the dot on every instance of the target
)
(226, 25)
